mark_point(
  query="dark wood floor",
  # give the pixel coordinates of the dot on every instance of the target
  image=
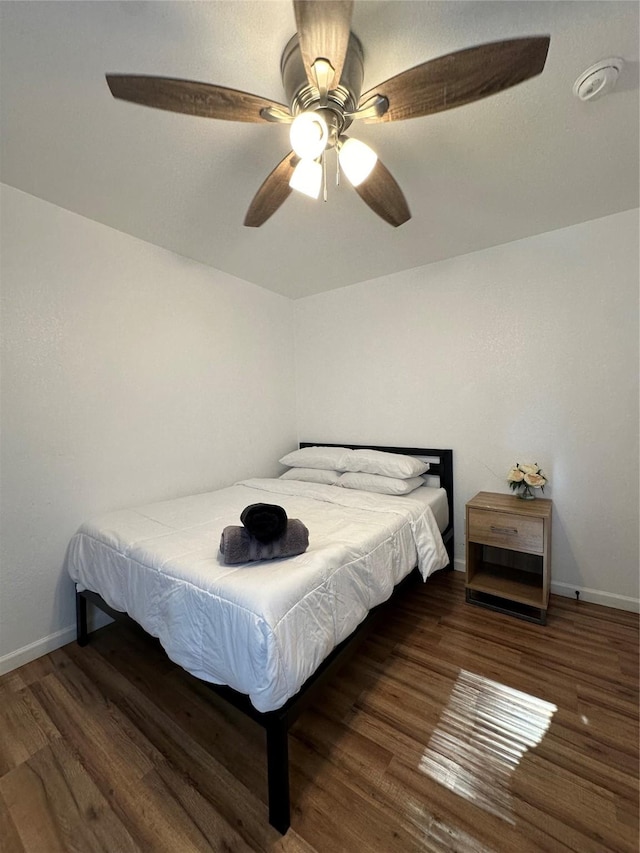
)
(454, 728)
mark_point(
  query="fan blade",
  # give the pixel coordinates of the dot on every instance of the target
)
(187, 96)
(460, 78)
(274, 191)
(323, 31)
(383, 195)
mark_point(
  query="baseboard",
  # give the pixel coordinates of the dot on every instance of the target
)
(54, 641)
(36, 650)
(594, 596)
(597, 596)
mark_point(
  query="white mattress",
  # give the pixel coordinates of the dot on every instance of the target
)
(262, 628)
(437, 500)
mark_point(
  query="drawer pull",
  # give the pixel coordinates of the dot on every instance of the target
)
(506, 531)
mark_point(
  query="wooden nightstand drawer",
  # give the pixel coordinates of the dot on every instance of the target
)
(506, 530)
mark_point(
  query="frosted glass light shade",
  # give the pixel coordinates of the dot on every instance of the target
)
(307, 178)
(309, 134)
(357, 160)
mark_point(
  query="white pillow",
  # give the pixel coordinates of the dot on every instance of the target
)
(378, 483)
(316, 457)
(312, 475)
(381, 462)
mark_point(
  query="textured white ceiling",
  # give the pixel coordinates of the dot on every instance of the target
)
(529, 160)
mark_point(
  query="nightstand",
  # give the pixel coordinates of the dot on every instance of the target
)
(508, 554)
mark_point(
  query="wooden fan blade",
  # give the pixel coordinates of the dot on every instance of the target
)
(383, 195)
(187, 96)
(323, 32)
(274, 191)
(460, 78)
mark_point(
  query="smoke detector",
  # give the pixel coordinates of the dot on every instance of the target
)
(598, 79)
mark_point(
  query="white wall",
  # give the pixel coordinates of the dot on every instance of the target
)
(524, 352)
(129, 374)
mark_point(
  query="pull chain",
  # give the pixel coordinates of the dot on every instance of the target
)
(324, 176)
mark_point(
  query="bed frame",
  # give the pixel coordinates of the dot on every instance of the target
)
(277, 723)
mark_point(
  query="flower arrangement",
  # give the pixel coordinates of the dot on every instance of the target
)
(523, 478)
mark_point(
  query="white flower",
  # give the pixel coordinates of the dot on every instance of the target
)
(515, 475)
(523, 478)
(529, 469)
(535, 480)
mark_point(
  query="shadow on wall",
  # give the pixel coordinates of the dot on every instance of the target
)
(564, 562)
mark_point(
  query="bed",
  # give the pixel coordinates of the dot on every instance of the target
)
(265, 634)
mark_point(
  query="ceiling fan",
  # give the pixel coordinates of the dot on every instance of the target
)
(322, 73)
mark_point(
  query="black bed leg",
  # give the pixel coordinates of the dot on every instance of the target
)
(82, 635)
(278, 773)
(451, 550)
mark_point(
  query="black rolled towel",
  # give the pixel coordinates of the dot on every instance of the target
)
(237, 545)
(264, 521)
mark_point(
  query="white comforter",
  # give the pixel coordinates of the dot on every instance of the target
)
(262, 628)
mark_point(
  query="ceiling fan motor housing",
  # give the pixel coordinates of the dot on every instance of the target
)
(343, 99)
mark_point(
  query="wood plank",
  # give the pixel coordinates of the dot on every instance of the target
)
(599, 697)
(586, 811)
(37, 669)
(196, 823)
(99, 734)
(11, 682)
(56, 806)
(11, 842)
(24, 728)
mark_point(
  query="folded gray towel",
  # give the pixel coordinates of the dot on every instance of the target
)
(237, 545)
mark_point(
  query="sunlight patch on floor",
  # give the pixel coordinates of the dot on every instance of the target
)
(481, 738)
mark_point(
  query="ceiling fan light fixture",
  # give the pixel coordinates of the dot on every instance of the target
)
(322, 70)
(357, 160)
(309, 134)
(307, 178)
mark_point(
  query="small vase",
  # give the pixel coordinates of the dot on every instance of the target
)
(526, 494)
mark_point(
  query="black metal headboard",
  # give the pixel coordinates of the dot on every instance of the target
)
(443, 469)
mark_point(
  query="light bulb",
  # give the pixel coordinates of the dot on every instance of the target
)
(357, 160)
(307, 178)
(309, 134)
